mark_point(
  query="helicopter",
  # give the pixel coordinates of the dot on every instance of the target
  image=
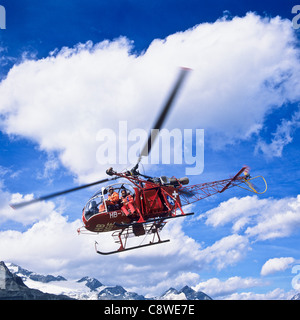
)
(147, 203)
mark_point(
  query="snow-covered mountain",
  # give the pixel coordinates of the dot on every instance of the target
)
(186, 293)
(296, 297)
(12, 287)
(85, 288)
(88, 288)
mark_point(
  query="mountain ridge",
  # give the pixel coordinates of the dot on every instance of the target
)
(86, 288)
(12, 287)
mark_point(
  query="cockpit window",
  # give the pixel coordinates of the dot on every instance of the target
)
(93, 205)
(103, 201)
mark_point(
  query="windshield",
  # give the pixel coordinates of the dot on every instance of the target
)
(101, 201)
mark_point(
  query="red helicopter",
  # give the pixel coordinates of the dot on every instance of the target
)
(147, 203)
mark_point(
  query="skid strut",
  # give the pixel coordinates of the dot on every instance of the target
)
(138, 229)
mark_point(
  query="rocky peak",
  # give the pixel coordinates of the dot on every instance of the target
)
(194, 295)
(91, 283)
(186, 293)
(9, 281)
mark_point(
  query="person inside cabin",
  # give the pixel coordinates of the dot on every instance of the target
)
(113, 198)
(127, 203)
(101, 207)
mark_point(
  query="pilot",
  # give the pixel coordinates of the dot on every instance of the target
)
(113, 197)
(127, 203)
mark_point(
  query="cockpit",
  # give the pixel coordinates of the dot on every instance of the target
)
(102, 202)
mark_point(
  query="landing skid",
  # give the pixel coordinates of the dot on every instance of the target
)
(131, 248)
(136, 229)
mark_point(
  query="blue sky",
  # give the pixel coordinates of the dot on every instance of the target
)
(64, 66)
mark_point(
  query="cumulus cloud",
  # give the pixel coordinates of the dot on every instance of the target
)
(276, 294)
(242, 69)
(281, 137)
(25, 216)
(260, 219)
(280, 219)
(233, 288)
(235, 210)
(225, 252)
(51, 244)
(215, 287)
(275, 265)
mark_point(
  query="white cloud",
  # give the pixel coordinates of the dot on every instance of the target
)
(276, 294)
(282, 137)
(217, 288)
(280, 219)
(235, 210)
(50, 167)
(276, 265)
(50, 245)
(233, 289)
(242, 69)
(260, 219)
(25, 216)
(225, 252)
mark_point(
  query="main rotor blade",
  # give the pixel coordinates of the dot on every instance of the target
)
(56, 194)
(162, 117)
